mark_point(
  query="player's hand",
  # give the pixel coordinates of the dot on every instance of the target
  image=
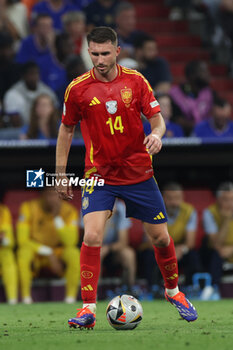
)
(63, 188)
(153, 143)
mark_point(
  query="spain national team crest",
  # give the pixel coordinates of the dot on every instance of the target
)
(126, 95)
(111, 107)
(85, 203)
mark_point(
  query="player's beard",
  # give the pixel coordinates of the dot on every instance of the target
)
(107, 69)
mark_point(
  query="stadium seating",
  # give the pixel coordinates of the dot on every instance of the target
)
(178, 45)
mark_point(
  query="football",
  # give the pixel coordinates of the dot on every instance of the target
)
(124, 312)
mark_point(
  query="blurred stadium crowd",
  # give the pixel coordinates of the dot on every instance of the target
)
(185, 50)
(43, 47)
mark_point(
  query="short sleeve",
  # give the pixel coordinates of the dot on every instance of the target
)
(149, 105)
(192, 222)
(209, 223)
(71, 112)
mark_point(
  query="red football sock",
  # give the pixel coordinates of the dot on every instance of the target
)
(90, 271)
(167, 262)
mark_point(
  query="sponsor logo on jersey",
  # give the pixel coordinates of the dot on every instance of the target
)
(126, 95)
(87, 274)
(111, 106)
(94, 102)
(85, 203)
(160, 216)
(154, 104)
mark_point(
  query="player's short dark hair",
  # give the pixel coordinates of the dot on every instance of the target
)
(101, 35)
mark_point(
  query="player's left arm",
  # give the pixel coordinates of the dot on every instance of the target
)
(153, 140)
(151, 109)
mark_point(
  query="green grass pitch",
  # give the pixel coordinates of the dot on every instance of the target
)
(44, 326)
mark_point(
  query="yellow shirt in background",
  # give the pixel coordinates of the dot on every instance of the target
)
(36, 227)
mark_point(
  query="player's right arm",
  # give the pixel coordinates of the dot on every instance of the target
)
(70, 117)
(64, 140)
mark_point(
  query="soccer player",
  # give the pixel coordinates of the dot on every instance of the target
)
(109, 100)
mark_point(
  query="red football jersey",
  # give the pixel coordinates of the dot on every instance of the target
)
(110, 115)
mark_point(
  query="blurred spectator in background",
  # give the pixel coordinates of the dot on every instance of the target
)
(6, 25)
(18, 100)
(125, 17)
(54, 9)
(172, 129)
(100, 13)
(29, 5)
(128, 63)
(44, 120)
(219, 124)
(155, 69)
(185, 9)
(227, 17)
(74, 68)
(182, 226)
(47, 234)
(74, 25)
(9, 70)
(115, 249)
(40, 43)
(8, 266)
(16, 12)
(218, 226)
(52, 67)
(193, 100)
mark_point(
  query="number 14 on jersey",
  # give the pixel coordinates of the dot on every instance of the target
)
(115, 125)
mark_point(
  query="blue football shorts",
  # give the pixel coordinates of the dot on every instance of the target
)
(143, 200)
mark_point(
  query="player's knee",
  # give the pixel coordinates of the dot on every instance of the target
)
(161, 240)
(92, 238)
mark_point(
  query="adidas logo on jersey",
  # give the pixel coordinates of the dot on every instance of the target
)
(94, 102)
(159, 216)
(88, 287)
